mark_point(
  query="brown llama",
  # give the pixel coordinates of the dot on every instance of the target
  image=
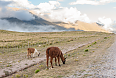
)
(32, 51)
(54, 52)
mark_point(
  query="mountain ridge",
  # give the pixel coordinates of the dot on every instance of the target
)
(41, 23)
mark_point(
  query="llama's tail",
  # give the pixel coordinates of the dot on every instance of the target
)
(48, 50)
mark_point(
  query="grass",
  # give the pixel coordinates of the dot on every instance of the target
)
(18, 44)
(78, 64)
(18, 76)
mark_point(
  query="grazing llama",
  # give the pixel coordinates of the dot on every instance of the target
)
(54, 52)
(32, 51)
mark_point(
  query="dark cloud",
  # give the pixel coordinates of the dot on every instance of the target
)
(5, 25)
(23, 15)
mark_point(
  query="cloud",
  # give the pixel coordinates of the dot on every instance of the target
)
(92, 2)
(46, 7)
(68, 15)
(108, 22)
(21, 14)
(60, 0)
(54, 12)
(22, 3)
(85, 2)
(3, 3)
(5, 25)
(51, 11)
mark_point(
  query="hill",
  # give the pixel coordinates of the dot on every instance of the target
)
(83, 26)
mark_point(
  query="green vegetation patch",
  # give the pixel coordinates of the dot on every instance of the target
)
(36, 71)
(86, 50)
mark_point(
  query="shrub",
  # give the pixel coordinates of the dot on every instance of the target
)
(76, 59)
(25, 76)
(71, 39)
(6, 73)
(17, 76)
(43, 45)
(36, 71)
(86, 50)
(68, 54)
(8, 65)
(94, 42)
(105, 37)
(57, 42)
(50, 43)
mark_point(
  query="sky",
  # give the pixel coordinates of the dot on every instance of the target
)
(93, 8)
(102, 11)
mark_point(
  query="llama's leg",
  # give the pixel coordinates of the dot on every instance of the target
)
(55, 61)
(59, 61)
(47, 61)
(51, 61)
(33, 54)
(28, 54)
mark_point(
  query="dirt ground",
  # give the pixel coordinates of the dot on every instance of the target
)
(103, 67)
(106, 67)
(82, 64)
(83, 53)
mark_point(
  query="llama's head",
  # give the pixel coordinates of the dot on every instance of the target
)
(64, 60)
(38, 54)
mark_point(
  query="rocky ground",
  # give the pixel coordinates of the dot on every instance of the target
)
(104, 68)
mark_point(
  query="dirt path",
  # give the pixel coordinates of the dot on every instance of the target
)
(30, 62)
(108, 68)
(104, 68)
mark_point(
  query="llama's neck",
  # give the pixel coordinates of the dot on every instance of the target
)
(62, 58)
(36, 51)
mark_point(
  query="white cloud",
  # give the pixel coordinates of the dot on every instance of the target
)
(21, 14)
(65, 14)
(22, 3)
(107, 23)
(51, 11)
(56, 13)
(92, 2)
(60, 0)
(46, 7)
(84, 2)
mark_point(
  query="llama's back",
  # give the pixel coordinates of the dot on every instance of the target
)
(31, 50)
(53, 51)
